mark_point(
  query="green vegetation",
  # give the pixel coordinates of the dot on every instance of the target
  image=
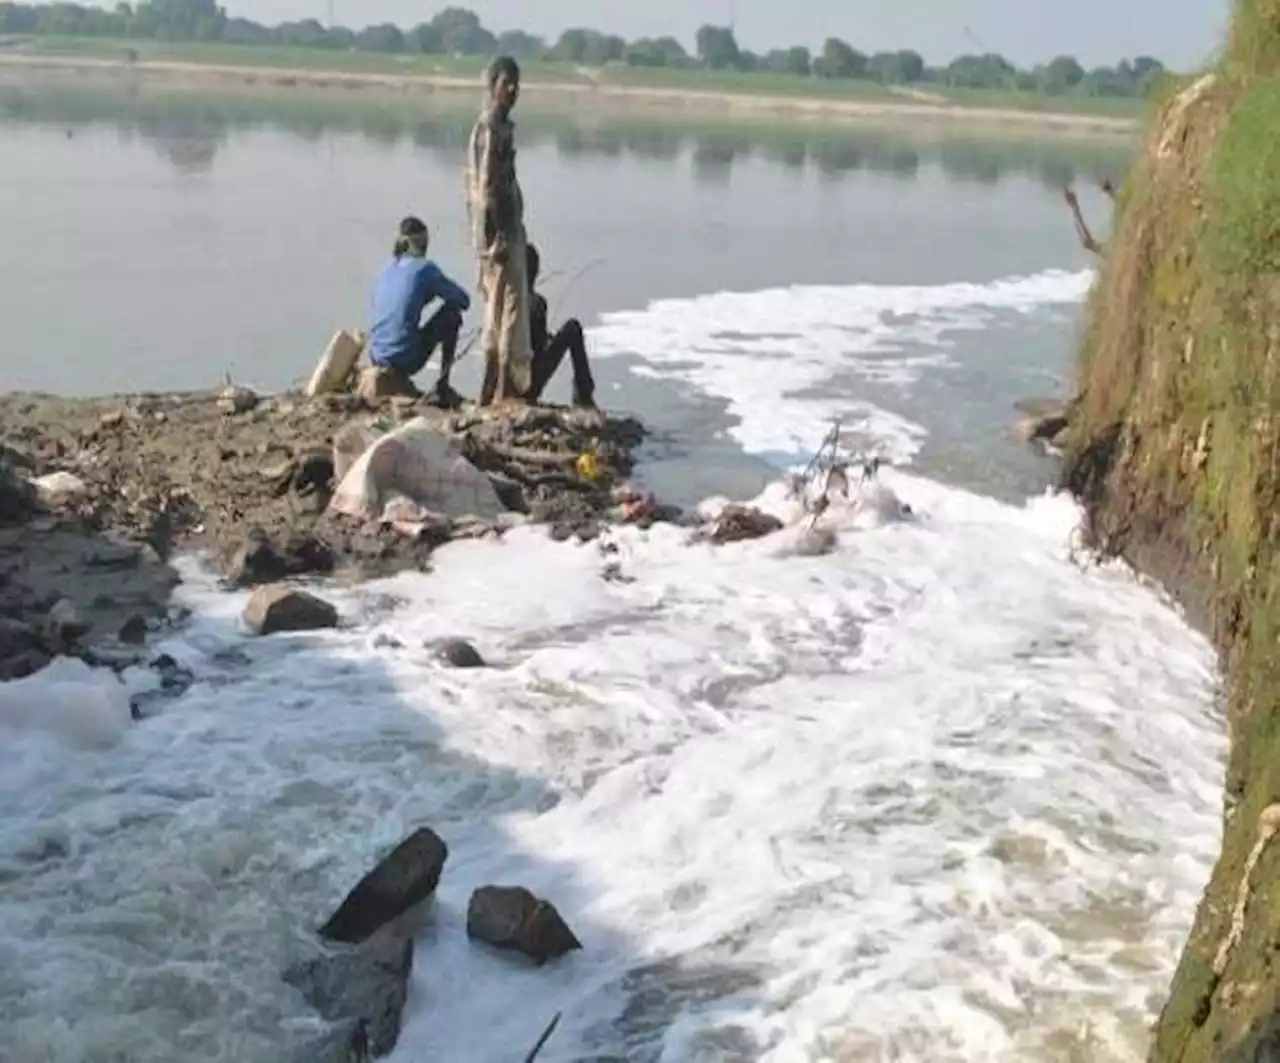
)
(1177, 457)
(456, 40)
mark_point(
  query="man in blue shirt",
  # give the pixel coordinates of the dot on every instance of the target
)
(398, 338)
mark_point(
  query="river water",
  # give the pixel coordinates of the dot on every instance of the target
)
(941, 795)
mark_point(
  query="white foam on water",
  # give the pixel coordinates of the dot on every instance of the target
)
(68, 702)
(775, 354)
(939, 795)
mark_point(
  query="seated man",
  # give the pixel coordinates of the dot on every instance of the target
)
(549, 351)
(399, 339)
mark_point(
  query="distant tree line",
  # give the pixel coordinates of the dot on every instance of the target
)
(458, 31)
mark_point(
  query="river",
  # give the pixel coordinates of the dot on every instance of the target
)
(942, 795)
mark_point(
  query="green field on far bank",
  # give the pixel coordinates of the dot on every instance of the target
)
(728, 82)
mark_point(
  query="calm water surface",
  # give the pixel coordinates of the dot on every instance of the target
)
(166, 243)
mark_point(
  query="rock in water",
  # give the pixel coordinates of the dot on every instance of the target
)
(22, 649)
(133, 632)
(457, 653)
(363, 988)
(402, 880)
(256, 561)
(65, 626)
(737, 522)
(277, 608)
(512, 918)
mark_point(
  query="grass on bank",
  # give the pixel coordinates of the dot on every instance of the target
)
(1177, 450)
(759, 83)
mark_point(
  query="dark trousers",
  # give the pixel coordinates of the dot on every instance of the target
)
(441, 330)
(568, 340)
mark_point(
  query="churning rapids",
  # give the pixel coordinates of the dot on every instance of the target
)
(943, 794)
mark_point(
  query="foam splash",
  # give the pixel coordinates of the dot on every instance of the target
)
(68, 702)
(776, 354)
(894, 800)
(938, 794)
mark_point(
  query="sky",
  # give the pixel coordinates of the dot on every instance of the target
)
(1182, 33)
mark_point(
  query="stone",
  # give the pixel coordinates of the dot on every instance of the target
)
(115, 557)
(401, 881)
(513, 919)
(65, 626)
(23, 664)
(276, 608)
(509, 493)
(175, 678)
(236, 400)
(59, 489)
(133, 632)
(737, 523)
(313, 473)
(308, 555)
(17, 496)
(1044, 427)
(17, 637)
(255, 561)
(378, 383)
(16, 457)
(1042, 419)
(364, 989)
(457, 653)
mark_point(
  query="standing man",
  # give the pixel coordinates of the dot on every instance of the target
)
(496, 210)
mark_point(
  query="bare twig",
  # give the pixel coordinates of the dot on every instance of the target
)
(1082, 230)
(525, 456)
(471, 337)
(829, 463)
(577, 276)
(542, 1041)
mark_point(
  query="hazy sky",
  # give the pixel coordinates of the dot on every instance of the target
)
(1181, 32)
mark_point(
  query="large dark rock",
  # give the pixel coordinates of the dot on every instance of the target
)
(279, 608)
(18, 501)
(259, 560)
(513, 919)
(17, 497)
(256, 561)
(17, 637)
(133, 632)
(458, 653)
(402, 880)
(361, 989)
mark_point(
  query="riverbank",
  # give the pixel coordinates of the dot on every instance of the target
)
(119, 485)
(872, 108)
(1174, 455)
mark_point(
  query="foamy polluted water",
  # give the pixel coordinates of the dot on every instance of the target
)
(775, 354)
(941, 794)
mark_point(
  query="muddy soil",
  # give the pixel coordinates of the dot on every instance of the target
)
(247, 483)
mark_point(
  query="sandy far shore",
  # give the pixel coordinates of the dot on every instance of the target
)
(204, 76)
